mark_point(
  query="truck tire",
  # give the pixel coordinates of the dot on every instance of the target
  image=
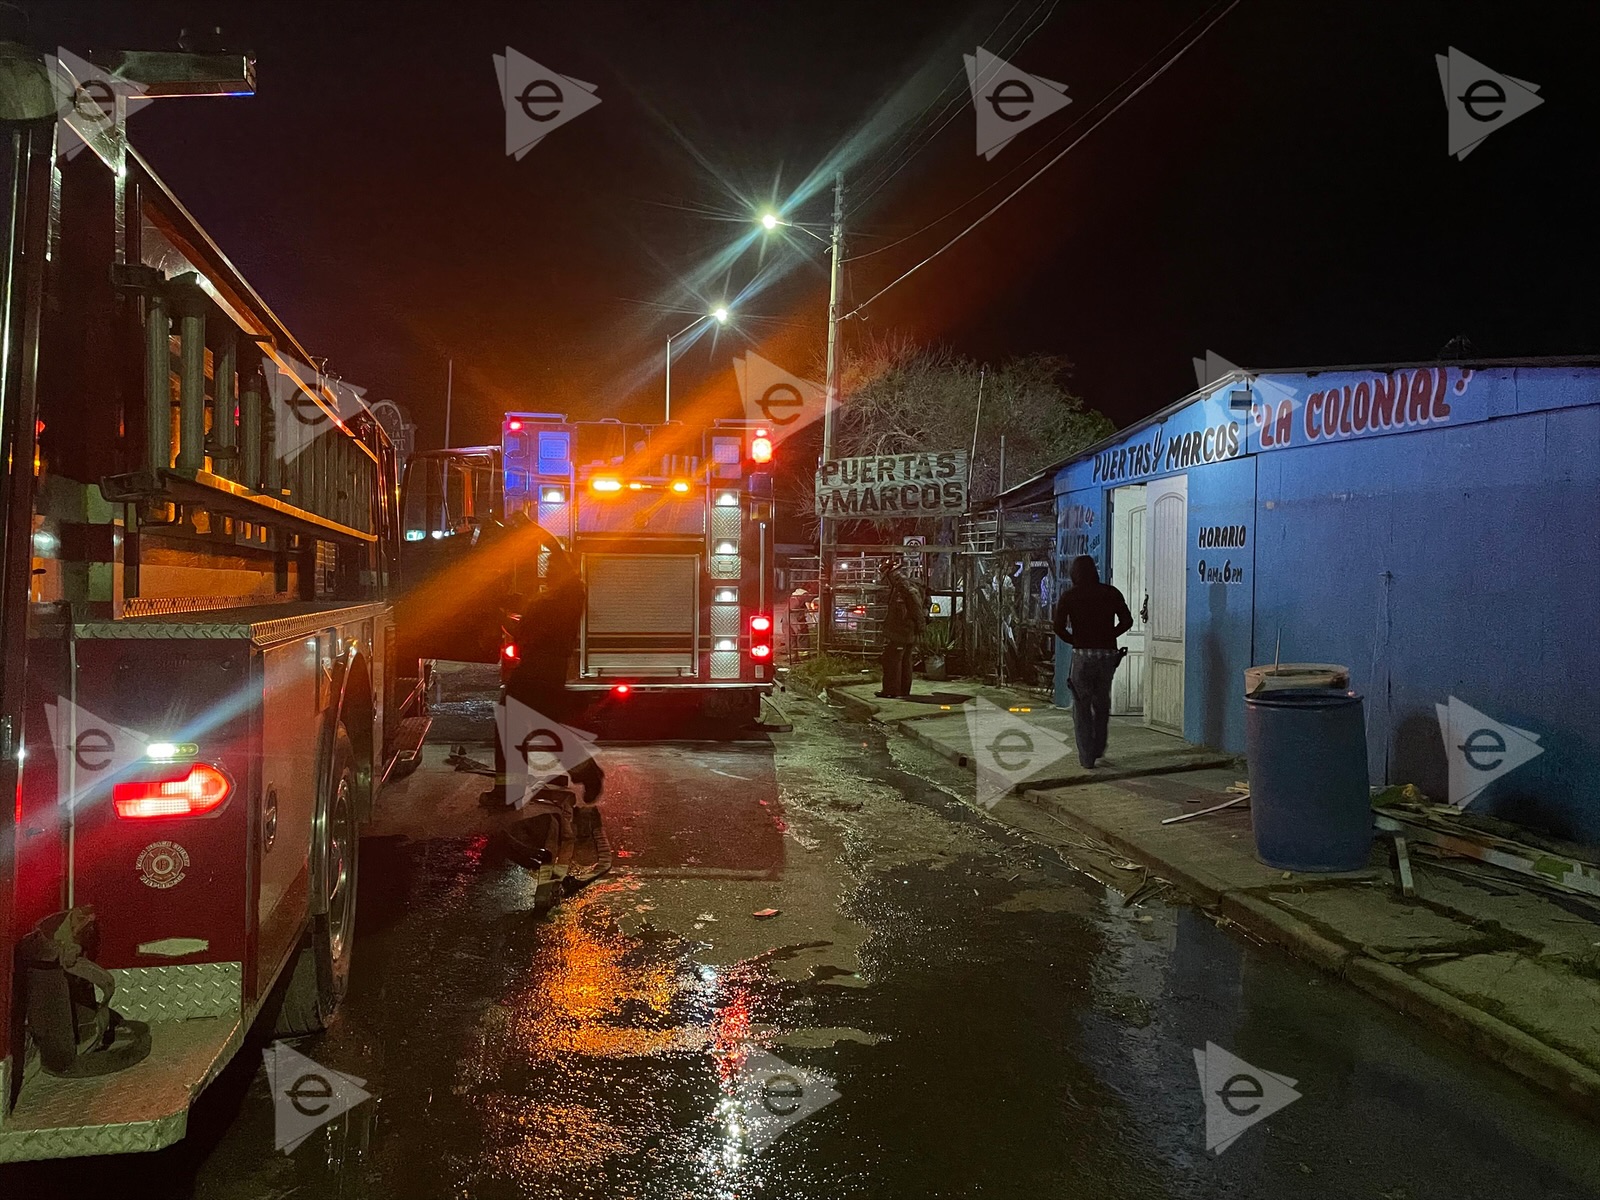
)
(321, 972)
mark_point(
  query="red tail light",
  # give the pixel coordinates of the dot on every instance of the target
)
(761, 651)
(509, 652)
(621, 689)
(761, 447)
(190, 791)
(760, 624)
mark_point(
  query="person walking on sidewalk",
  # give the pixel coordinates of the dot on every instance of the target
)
(903, 623)
(1090, 617)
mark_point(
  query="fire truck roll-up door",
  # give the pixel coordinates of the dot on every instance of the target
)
(643, 614)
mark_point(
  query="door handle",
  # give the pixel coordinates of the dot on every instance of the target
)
(1144, 609)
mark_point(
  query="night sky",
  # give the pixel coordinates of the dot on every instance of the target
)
(1281, 196)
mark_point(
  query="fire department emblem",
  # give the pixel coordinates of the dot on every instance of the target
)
(163, 864)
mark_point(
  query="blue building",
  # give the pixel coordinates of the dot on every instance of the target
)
(1434, 527)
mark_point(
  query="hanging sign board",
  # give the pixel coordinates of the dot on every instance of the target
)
(887, 487)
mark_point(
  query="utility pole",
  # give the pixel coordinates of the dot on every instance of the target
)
(449, 386)
(826, 534)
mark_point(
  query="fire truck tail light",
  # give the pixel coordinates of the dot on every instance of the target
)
(201, 789)
(513, 425)
(621, 689)
(761, 651)
(606, 484)
(760, 624)
(509, 652)
(761, 447)
(680, 486)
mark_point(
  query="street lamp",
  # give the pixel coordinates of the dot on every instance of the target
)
(771, 221)
(720, 315)
(825, 526)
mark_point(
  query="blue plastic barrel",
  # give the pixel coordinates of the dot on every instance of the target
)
(1309, 805)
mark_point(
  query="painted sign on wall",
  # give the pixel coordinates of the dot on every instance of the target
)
(1215, 441)
(1079, 533)
(885, 487)
(1364, 403)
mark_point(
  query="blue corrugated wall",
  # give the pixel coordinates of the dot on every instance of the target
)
(1456, 562)
(1459, 559)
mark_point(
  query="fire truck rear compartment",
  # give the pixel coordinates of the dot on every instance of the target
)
(643, 615)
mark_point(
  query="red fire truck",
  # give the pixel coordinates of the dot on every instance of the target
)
(673, 536)
(672, 531)
(199, 694)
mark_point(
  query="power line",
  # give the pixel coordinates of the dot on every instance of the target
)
(952, 106)
(909, 129)
(1184, 49)
(1044, 149)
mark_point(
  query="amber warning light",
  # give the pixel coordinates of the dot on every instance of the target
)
(761, 447)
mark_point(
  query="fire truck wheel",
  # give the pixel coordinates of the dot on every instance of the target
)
(321, 973)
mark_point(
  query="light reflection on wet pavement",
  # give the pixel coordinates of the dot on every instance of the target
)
(997, 1023)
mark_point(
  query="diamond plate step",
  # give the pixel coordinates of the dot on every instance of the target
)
(145, 1107)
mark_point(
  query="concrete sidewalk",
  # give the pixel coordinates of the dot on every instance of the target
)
(937, 717)
(1510, 972)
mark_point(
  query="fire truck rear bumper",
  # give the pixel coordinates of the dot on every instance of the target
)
(144, 1107)
(680, 687)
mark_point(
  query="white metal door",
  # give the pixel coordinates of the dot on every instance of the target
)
(1167, 502)
(1127, 574)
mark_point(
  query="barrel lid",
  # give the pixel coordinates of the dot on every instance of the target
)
(1304, 698)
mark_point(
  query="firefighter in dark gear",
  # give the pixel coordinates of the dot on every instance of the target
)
(905, 618)
(546, 637)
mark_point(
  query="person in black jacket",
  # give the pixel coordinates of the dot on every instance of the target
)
(903, 622)
(547, 635)
(1090, 617)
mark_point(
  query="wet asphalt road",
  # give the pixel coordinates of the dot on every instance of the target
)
(992, 1018)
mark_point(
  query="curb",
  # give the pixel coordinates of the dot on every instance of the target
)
(1498, 1041)
(1202, 885)
(1266, 921)
(855, 706)
(795, 683)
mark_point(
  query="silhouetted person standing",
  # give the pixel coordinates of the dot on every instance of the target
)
(905, 619)
(1090, 617)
